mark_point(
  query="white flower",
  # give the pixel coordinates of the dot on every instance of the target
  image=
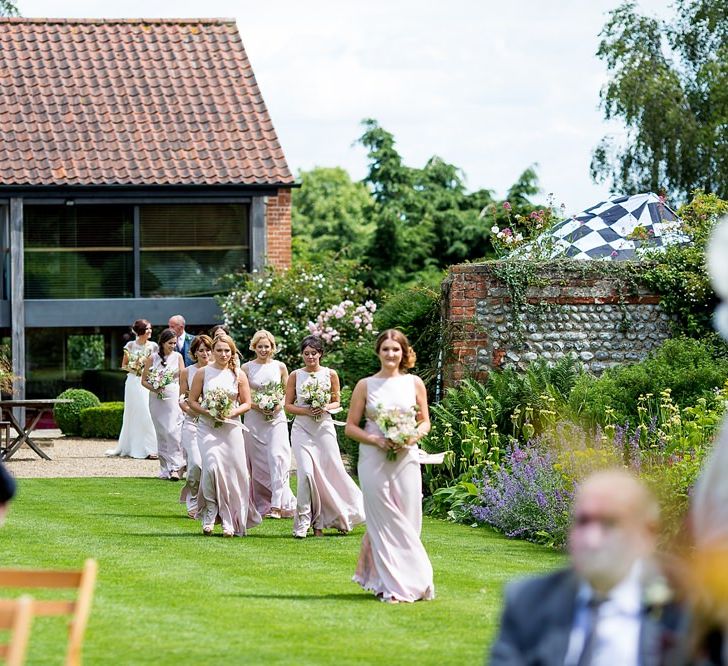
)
(494, 229)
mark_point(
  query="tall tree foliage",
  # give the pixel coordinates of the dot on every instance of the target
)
(669, 86)
(424, 218)
(8, 8)
(329, 214)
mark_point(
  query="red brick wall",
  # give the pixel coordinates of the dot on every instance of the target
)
(462, 290)
(278, 229)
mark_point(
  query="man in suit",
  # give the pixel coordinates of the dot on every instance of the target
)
(612, 606)
(184, 339)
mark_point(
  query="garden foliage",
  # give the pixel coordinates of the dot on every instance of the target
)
(68, 415)
(102, 422)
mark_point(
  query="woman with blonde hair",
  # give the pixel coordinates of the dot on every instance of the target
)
(221, 394)
(392, 563)
(266, 442)
(200, 352)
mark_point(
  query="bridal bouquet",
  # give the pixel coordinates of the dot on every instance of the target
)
(135, 363)
(269, 397)
(398, 426)
(159, 379)
(315, 394)
(219, 403)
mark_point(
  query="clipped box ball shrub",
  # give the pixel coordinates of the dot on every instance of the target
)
(67, 415)
(102, 422)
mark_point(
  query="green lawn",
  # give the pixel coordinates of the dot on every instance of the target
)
(168, 595)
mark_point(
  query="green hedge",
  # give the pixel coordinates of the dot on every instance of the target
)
(104, 421)
(67, 415)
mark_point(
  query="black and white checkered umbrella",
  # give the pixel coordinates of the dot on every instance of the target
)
(615, 230)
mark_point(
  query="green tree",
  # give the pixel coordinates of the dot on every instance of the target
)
(8, 8)
(669, 86)
(329, 214)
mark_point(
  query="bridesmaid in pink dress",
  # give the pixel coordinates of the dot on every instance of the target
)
(225, 492)
(327, 496)
(393, 562)
(201, 351)
(266, 442)
(164, 405)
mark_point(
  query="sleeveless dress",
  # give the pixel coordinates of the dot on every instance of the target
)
(225, 492)
(393, 562)
(137, 438)
(167, 418)
(191, 451)
(326, 495)
(267, 447)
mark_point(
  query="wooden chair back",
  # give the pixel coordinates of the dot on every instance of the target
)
(16, 616)
(79, 609)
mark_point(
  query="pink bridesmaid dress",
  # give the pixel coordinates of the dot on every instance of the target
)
(393, 562)
(267, 447)
(326, 495)
(167, 418)
(224, 494)
(191, 450)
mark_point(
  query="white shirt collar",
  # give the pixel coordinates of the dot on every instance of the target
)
(625, 596)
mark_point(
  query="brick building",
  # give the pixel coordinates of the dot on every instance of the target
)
(138, 164)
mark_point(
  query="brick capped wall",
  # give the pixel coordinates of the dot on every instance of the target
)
(278, 229)
(592, 311)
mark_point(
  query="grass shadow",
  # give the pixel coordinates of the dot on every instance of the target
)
(346, 596)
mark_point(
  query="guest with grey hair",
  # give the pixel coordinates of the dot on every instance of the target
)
(612, 606)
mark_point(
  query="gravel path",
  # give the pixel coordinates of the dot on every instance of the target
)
(76, 458)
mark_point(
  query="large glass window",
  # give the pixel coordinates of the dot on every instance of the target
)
(186, 249)
(79, 251)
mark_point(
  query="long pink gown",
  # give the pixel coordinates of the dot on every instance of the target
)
(191, 450)
(393, 562)
(225, 492)
(267, 446)
(167, 418)
(326, 496)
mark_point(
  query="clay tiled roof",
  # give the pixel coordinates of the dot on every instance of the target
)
(132, 102)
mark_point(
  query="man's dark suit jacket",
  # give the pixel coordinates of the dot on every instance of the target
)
(538, 616)
(186, 349)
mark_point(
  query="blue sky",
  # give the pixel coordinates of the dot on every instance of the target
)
(492, 87)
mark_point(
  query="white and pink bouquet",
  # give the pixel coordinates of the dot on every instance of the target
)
(316, 393)
(219, 403)
(268, 397)
(160, 378)
(135, 364)
(398, 425)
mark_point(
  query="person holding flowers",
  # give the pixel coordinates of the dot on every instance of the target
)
(392, 563)
(200, 352)
(326, 495)
(266, 442)
(221, 394)
(161, 378)
(137, 438)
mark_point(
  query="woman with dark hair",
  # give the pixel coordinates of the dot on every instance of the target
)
(221, 394)
(137, 438)
(393, 563)
(161, 378)
(326, 495)
(201, 352)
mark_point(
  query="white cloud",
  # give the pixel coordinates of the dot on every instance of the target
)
(491, 87)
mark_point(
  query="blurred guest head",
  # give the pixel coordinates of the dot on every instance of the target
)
(615, 524)
(7, 491)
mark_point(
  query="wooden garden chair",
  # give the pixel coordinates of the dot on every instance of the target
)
(16, 616)
(79, 609)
